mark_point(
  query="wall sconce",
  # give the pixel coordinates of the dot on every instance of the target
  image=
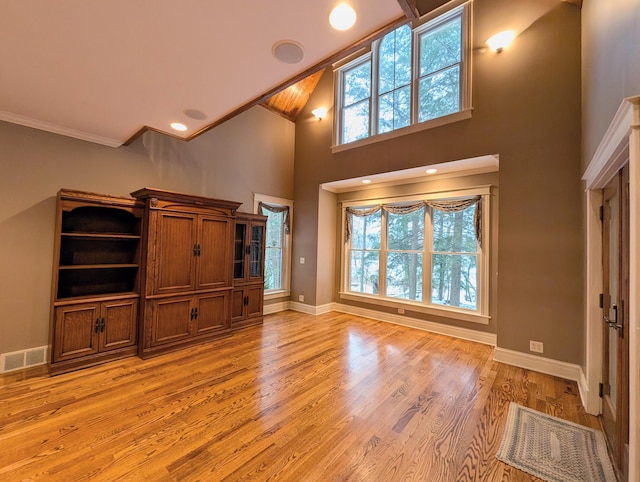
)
(501, 40)
(320, 113)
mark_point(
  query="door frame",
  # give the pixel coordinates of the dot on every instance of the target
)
(619, 146)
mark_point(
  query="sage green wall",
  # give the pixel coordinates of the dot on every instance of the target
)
(526, 104)
(251, 153)
(610, 65)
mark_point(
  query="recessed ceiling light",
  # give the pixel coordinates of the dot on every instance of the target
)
(366, 181)
(431, 171)
(288, 51)
(177, 126)
(342, 17)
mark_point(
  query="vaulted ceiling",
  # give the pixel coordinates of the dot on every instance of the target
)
(106, 71)
(103, 70)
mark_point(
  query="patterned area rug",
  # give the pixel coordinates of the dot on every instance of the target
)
(553, 449)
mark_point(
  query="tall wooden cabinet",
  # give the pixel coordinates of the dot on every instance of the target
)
(150, 274)
(96, 279)
(247, 298)
(188, 279)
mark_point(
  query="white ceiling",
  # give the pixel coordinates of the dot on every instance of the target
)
(102, 70)
(445, 170)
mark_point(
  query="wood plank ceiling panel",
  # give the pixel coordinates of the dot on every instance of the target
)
(290, 101)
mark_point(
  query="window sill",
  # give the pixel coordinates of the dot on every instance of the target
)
(276, 294)
(430, 124)
(461, 315)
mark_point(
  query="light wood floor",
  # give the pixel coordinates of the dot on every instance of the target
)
(301, 398)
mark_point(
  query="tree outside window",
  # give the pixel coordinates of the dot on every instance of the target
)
(392, 87)
(273, 251)
(387, 245)
(454, 259)
(364, 258)
(405, 239)
(277, 262)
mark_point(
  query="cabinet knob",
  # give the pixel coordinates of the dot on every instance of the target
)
(102, 325)
(97, 325)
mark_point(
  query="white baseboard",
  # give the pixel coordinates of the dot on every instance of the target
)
(275, 307)
(18, 360)
(591, 403)
(309, 309)
(454, 331)
(540, 364)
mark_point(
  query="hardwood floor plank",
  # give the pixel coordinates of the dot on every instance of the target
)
(306, 398)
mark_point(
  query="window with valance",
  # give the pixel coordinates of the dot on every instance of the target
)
(277, 243)
(427, 251)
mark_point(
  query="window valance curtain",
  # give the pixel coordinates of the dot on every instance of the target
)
(262, 207)
(449, 206)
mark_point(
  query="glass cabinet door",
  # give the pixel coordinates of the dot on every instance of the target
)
(255, 261)
(238, 251)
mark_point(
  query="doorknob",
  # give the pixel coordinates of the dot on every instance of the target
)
(610, 322)
(614, 323)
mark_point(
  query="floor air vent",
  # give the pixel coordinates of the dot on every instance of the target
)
(23, 359)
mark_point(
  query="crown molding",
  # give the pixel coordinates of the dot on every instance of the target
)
(57, 129)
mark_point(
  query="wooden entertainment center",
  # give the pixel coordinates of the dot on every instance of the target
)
(150, 274)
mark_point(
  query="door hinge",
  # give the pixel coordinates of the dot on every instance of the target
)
(600, 390)
(601, 300)
(601, 213)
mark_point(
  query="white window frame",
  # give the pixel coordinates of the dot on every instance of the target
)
(286, 244)
(430, 21)
(481, 315)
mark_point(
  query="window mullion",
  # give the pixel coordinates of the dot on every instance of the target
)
(415, 74)
(382, 284)
(373, 107)
(427, 275)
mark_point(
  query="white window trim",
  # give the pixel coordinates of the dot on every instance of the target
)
(286, 245)
(480, 316)
(431, 20)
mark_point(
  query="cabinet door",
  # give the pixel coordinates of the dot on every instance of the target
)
(176, 252)
(76, 331)
(255, 300)
(256, 252)
(212, 314)
(238, 250)
(171, 320)
(214, 260)
(237, 304)
(119, 328)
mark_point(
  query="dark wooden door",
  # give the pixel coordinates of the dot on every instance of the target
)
(76, 331)
(176, 252)
(615, 362)
(120, 324)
